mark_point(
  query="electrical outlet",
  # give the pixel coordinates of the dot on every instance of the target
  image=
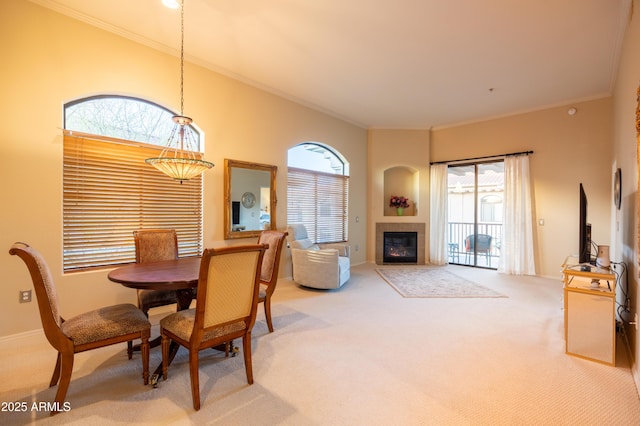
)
(25, 296)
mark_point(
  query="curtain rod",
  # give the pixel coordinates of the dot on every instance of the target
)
(483, 158)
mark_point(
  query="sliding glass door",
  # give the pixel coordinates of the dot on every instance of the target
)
(475, 209)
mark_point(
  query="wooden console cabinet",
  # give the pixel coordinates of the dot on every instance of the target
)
(589, 313)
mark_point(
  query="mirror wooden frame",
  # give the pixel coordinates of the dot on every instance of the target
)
(229, 165)
(638, 160)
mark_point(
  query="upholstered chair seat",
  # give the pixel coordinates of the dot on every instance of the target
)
(148, 299)
(181, 324)
(105, 323)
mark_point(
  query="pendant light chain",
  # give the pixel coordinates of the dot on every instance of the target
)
(178, 159)
(182, 59)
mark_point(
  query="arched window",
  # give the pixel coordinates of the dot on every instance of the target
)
(122, 117)
(318, 191)
(108, 189)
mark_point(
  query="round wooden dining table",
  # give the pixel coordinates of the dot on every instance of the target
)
(180, 275)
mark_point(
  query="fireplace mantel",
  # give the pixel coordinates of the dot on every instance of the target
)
(381, 228)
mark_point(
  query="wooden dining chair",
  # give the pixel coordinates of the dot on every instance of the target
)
(154, 245)
(269, 272)
(227, 301)
(90, 330)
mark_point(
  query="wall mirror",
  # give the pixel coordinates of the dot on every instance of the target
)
(250, 198)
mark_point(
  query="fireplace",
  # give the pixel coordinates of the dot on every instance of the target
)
(415, 227)
(400, 247)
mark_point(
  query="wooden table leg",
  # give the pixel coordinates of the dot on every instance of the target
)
(183, 299)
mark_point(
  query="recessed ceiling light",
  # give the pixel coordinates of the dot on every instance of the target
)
(572, 111)
(171, 4)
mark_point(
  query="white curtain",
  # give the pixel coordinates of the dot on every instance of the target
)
(438, 241)
(517, 245)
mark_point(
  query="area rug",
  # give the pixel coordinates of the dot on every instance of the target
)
(432, 282)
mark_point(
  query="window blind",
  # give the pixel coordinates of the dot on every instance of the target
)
(320, 202)
(109, 191)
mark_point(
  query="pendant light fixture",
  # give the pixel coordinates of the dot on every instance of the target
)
(178, 159)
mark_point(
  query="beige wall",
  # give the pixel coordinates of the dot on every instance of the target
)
(567, 150)
(624, 226)
(399, 152)
(52, 59)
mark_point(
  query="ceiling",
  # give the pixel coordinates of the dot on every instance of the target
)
(412, 64)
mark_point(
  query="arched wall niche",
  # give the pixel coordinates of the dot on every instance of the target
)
(401, 181)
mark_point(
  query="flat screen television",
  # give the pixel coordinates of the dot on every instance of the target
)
(584, 251)
(235, 212)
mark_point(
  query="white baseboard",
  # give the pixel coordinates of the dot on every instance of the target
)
(31, 335)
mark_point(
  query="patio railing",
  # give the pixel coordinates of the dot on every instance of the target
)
(459, 231)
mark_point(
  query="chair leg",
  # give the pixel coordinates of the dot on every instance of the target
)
(145, 311)
(246, 349)
(56, 372)
(267, 313)
(165, 355)
(144, 351)
(66, 367)
(195, 382)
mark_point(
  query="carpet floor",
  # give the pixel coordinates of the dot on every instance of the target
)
(362, 354)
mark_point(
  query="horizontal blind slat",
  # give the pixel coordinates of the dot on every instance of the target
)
(109, 191)
(320, 202)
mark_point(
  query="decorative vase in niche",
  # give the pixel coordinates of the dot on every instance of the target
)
(399, 211)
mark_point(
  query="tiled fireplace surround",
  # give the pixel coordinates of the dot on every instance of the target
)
(381, 228)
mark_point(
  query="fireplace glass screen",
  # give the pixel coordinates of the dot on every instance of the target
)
(400, 247)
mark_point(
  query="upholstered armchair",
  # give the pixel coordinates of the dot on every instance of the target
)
(323, 266)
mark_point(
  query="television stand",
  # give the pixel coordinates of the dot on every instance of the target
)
(589, 313)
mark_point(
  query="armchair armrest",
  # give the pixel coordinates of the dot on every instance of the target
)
(316, 268)
(344, 250)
